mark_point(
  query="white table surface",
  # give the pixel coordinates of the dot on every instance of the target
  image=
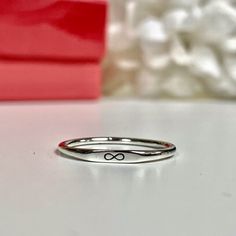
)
(193, 194)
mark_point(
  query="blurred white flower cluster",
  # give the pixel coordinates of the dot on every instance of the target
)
(171, 48)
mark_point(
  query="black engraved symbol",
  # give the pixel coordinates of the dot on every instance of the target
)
(118, 156)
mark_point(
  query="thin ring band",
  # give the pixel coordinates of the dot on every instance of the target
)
(92, 150)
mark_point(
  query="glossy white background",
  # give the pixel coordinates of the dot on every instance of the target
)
(190, 195)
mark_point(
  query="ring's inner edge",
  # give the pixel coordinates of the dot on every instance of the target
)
(110, 145)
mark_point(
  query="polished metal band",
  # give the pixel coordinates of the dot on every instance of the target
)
(104, 149)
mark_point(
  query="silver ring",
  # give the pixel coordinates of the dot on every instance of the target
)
(117, 149)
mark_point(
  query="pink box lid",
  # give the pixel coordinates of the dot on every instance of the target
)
(53, 29)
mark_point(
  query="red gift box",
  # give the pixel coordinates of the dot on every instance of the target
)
(49, 80)
(51, 49)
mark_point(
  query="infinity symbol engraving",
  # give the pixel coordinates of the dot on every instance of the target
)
(118, 157)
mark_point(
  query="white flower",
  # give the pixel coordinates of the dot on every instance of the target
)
(177, 48)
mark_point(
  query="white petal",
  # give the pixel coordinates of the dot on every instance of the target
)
(229, 45)
(176, 20)
(147, 83)
(152, 30)
(118, 39)
(223, 88)
(155, 55)
(218, 22)
(178, 53)
(182, 3)
(230, 65)
(118, 82)
(154, 44)
(204, 62)
(181, 84)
